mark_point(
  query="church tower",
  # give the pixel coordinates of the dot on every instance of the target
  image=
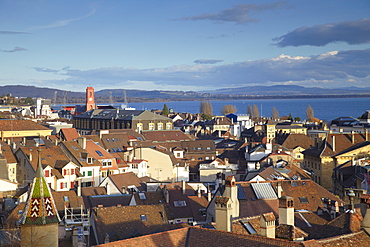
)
(40, 219)
(90, 99)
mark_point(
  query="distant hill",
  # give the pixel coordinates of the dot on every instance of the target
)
(281, 90)
(117, 95)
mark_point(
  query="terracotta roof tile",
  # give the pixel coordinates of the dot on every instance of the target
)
(69, 134)
(199, 237)
(126, 179)
(129, 221)
(19, 125)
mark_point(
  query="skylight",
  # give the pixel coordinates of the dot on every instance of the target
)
(98, 152)
(179, 203)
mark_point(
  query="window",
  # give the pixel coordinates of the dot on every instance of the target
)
(72, 185)
(108, 140)
(303, 199)
(134, 166)
(98, 152)
(208, 148)
(89, 160)
(47, 173)
(143, 217)
(72, 171)
(151, 126)
(160, 126)
(89, 173)
(168, 126)
(179, 203)
(107, 163)
(83, 174)
(66, 199)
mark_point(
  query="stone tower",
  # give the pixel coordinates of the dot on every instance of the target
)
(39, 221)
(90, 99)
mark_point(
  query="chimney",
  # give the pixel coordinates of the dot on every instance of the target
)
(353, 136)
(166, 194)
(223, 213)
(209, 195)
(30, 157)
(81, 142)
(79, 188)
(334, 209)
(231, 191)
(107, 187)
(333, 143)
(183, 186)
(267, 225)
(199, 192)
(1, 150)
(14, 146)
(286, 211)
(351, 205)
(340, 130)
(226, 160)
(366, 135)
(279, 189)
(365, 223)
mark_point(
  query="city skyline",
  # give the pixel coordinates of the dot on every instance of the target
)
(191, 45)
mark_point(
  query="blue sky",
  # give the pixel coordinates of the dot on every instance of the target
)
(184, 45)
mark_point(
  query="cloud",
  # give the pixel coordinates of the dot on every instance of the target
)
(240, 14)
(64, 22)
(15, 49)
(39, 69)
(11, 33)
(331, 69)
(351, 32)
(208, 61)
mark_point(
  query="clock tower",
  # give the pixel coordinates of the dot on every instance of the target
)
(90, 99)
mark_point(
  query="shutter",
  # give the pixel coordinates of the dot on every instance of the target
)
(64, 172)
(61, 185)
(72, 185)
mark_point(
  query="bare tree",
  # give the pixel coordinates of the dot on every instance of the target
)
(206, 108)
(227, 109)
(256, 112)
(250, 111)
(309, 113)
(275, 113)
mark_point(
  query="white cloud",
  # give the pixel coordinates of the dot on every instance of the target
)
(330, 68)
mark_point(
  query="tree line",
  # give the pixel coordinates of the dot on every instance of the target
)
(206, 111)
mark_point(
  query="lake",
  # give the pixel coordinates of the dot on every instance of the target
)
(324, 108)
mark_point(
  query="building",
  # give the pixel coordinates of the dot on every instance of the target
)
(21, 128)
(102, 119)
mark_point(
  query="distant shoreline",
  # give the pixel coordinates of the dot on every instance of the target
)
(243, 97)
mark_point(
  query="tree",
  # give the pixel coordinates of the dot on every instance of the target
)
(275, 113)
(227, 109)
(165, 110)
(250, 111)
(256, 113)
(290, 117)
(297, 119)
(206, 108)
(309, 113)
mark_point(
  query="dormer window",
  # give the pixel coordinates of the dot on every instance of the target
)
(89, 160)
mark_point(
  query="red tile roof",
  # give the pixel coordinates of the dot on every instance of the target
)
(19, 125)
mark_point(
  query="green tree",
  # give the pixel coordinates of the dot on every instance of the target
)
(165, 110)
(206, 117)
(29, 101)
(290, 117)
(227, 109)
(297, 119)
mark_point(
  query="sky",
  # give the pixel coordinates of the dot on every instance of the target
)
(192, 45)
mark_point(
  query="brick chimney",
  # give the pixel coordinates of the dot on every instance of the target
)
(81, 142)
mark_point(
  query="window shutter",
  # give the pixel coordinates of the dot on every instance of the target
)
(72, 185)
(61, 185)
(64, 172)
